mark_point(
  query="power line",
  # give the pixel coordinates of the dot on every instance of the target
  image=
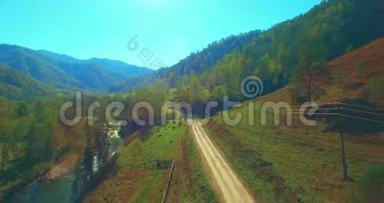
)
(339, 107)
(348, 109)
(364, 112)
(344, 115)
(360, 106)
(317, 109)
(310, 114)
(322, 108)
(361, 118)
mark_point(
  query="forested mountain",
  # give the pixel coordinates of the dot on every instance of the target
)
(112, 66)
(119, 67)
(204, 60)
(196, 63)
(36, 66)
(64, 72)
(278, 56)
(58, 57)
(15, 85)
(285, 53)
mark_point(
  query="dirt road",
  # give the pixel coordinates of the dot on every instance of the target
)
(227, 184)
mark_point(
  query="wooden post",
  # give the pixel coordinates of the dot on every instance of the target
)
(166, 191)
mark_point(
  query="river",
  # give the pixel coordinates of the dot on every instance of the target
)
(67, 188)
(59, 190)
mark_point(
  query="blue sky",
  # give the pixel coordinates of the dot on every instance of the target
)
(171, 29)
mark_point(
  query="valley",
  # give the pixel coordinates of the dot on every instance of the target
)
(290, 112)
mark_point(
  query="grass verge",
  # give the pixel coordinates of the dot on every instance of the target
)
(293, 164)
(146, 184)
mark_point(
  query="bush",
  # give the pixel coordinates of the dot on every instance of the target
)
(371, 185)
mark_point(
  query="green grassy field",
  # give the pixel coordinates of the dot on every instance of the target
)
(293, 164)
(190, 183)
(136, 184)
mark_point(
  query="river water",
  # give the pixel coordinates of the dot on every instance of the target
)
(67, 188)
(60, 190)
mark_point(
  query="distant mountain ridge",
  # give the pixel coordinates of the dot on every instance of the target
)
(57, 56)
(68, 73)
(113, 66)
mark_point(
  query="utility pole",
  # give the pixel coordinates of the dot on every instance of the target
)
(342, 146)
(343, 157)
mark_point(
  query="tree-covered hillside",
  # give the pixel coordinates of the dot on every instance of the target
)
(15, 85)
(284, 53)
(196, 63)
(364, 67)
